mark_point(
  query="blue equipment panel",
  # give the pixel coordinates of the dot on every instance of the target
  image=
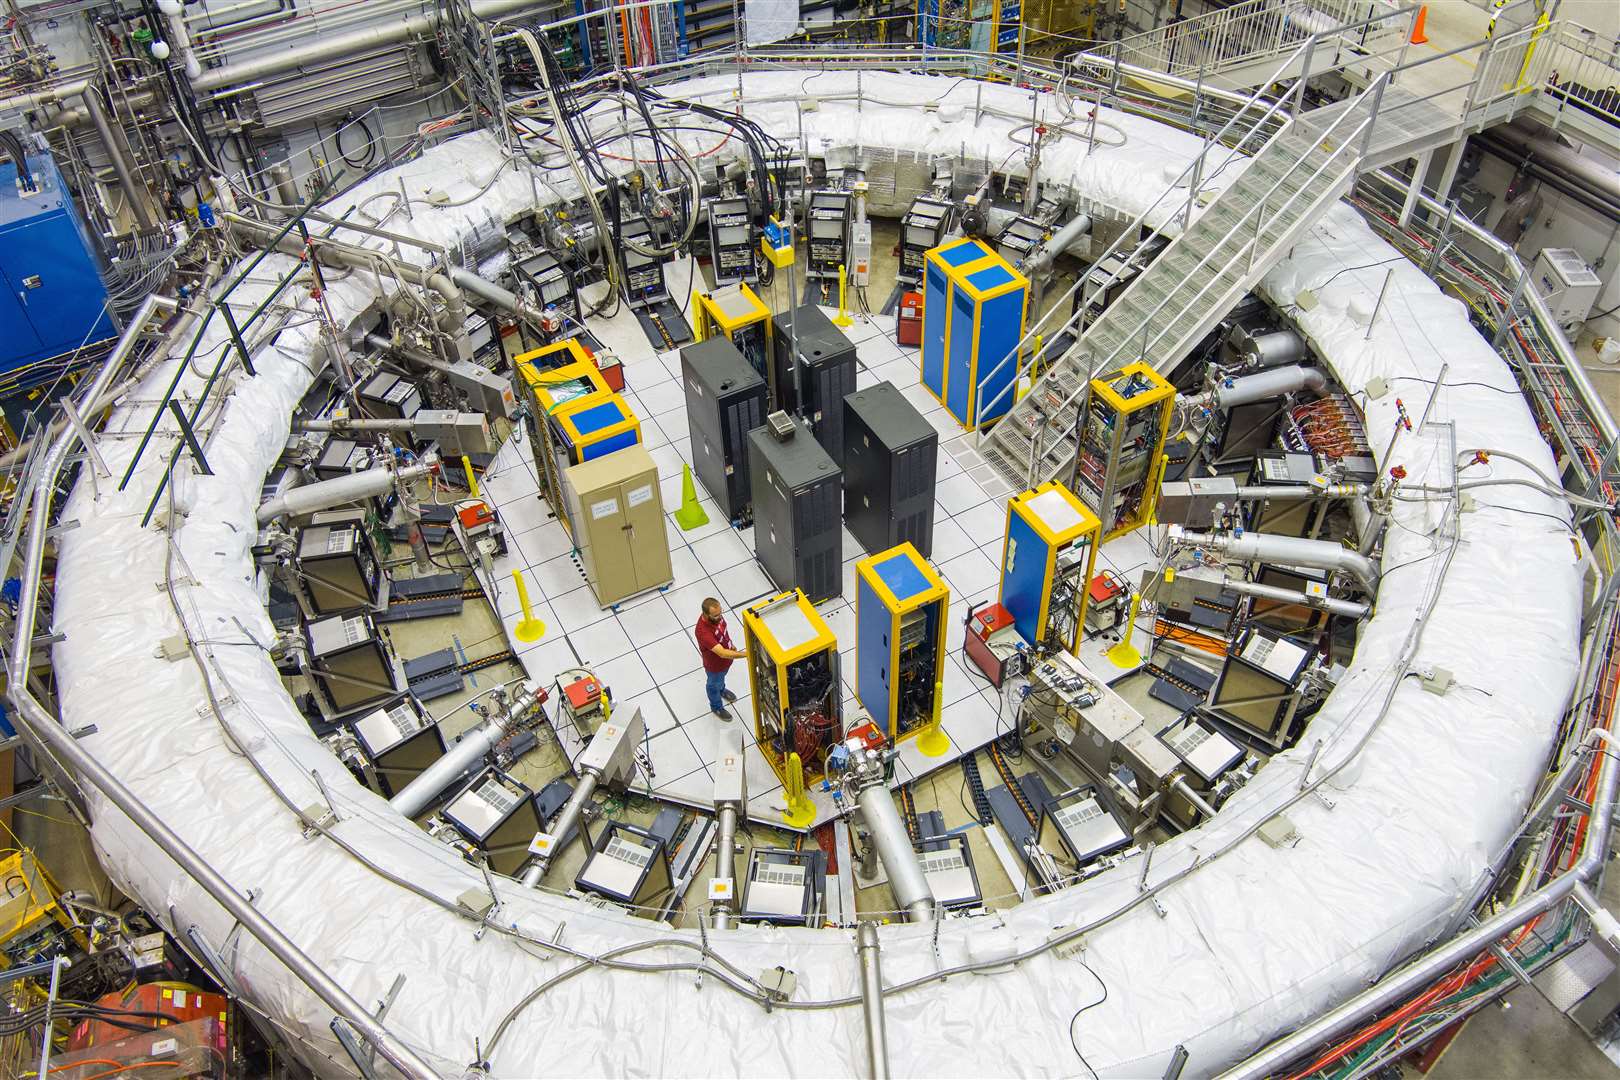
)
(55, 300)
(900, 606)
(1024, 581)
(973, 319)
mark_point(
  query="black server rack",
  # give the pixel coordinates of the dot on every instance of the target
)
(725, 400)
(891, 459)
(797, 494)
(828, 376)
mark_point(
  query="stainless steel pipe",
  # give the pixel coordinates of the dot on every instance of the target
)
(567, 819)
(466, 755)
(906, 879)
(1331, 604)
(877, 1036)
(344, 489)
(1287, 550)
(725, 866)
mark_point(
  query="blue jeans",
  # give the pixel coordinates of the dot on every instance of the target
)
(714, 683)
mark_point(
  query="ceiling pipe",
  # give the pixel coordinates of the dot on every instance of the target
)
(341, 45)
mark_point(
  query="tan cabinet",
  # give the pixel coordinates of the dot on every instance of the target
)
(619, 523)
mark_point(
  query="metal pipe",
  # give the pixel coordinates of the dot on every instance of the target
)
(877, 1037)
(344, 489)
(1042, 258)
(63, 746)
(488, 290)
(1271, 383)
(567, 820)
(359, 258)
(466, 755)
(1284, 550)
(340, 45)
(115, 154)
(906, 879)
(1302, 491)
(1180, 786)
(725, 865)
(1333, 605)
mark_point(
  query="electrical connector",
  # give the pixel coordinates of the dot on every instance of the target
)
(1436, 680)
(1279, 832)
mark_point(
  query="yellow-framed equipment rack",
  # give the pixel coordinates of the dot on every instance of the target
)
(793, 674)
(1048, 559)
(974, 307)
(1126, 416)
(737, 313)
(900, 612)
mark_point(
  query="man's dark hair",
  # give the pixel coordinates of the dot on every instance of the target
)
(711, 604)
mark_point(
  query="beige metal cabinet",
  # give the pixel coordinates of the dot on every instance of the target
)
(619, 523)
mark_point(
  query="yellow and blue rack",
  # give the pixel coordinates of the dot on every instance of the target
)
(1052, 538)
(900, 612)
(792, 653)
(974, 307)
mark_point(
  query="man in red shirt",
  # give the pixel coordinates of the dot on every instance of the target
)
(714, 642)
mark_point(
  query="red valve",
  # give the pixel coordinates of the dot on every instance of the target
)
(1398, 472)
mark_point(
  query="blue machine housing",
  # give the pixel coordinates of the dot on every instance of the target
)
(54, 299)
(900, 611)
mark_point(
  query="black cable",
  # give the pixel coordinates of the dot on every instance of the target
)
(1603, 314)
(1072, 1040)
(371, 144)
(1449, 385)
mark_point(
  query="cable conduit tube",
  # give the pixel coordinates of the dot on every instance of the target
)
(877, 1037)
(63, 746)
(1287, 550)
(899, 858)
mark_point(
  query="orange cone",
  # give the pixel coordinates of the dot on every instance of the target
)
(1418, 36)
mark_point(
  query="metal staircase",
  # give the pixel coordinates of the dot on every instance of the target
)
(1298, 172)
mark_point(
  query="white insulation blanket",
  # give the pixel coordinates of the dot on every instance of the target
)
(1241, 948)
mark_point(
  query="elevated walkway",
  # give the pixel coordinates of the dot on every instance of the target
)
(1298, 170)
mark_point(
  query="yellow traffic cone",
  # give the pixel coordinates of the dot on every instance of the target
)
(691, 515)
(800, 810)
(932, 740)
(528, 628)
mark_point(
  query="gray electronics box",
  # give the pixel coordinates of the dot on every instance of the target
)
(1193, 502)
(725, 400)
(798, 497)
(891, 463)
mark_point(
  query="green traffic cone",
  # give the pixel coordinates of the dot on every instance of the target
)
(691, 515)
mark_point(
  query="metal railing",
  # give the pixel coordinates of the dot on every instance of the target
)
(1579, 68)
(1254, 31)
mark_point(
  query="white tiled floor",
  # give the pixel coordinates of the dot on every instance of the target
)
(644, 652)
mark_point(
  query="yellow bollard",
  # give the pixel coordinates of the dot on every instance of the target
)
(528, 628)
(932, 740)
(843, 318)
(1126, 654)
(800, 810)
(472, 481)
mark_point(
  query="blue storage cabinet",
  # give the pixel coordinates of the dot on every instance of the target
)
(974, 306)
(900, 605)
(55, 299)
